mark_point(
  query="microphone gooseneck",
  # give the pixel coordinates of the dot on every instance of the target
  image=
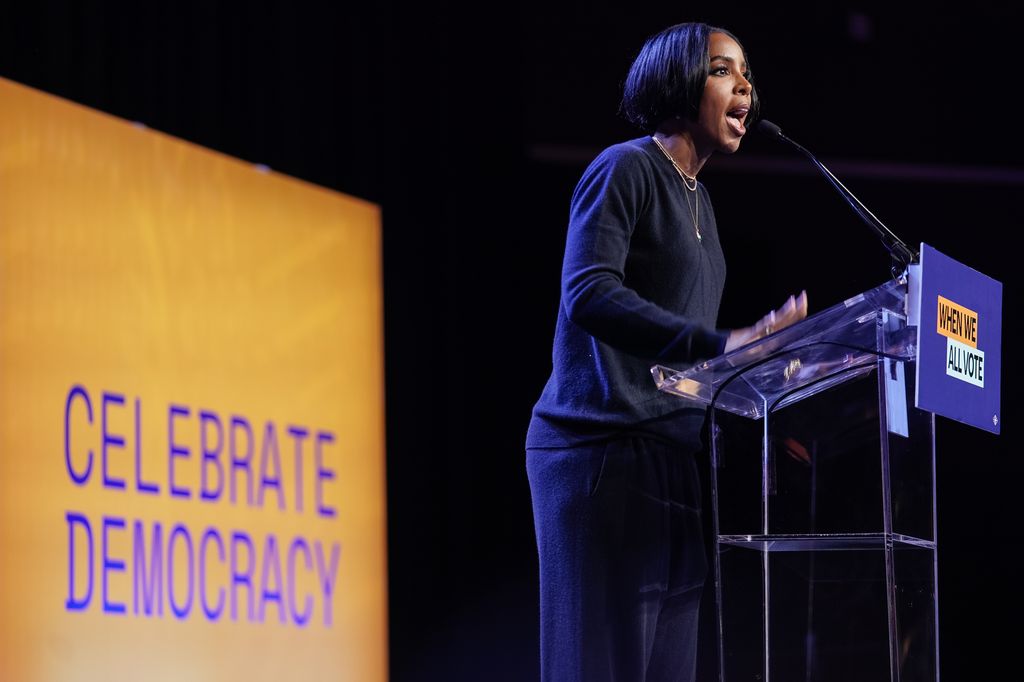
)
(896, 247)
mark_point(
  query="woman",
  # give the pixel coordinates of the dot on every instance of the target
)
(610, 459)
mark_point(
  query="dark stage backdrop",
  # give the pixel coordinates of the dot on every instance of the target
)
(470, 126)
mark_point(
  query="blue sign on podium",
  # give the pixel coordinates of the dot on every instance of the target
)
(958, 313)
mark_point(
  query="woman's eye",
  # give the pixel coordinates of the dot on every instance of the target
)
(720, 70)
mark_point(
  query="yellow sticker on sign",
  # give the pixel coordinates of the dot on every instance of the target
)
(957, 322)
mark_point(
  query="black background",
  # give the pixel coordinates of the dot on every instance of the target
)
(470, 124)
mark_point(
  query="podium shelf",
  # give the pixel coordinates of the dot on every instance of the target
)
(822, 543)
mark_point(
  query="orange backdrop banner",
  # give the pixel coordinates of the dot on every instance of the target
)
(191, 395)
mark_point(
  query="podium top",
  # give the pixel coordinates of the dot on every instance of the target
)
(819, 352)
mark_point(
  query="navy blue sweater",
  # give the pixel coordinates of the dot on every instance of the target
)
(638, 289)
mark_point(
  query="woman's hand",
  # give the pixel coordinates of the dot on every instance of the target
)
(791, 312)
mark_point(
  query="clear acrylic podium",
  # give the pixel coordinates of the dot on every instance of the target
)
(823, 499)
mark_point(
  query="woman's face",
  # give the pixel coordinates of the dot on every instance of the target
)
(726, 102)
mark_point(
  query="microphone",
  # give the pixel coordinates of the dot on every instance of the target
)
(899, 251)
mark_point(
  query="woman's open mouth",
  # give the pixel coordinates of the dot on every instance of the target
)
(736, 118)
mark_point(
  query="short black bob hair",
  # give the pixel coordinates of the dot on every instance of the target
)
(667, 77)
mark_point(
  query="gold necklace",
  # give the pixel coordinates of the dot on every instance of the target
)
(695, 210)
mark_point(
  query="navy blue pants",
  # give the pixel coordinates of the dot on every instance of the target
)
(622, 560)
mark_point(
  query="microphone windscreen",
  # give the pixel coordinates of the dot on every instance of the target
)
(766, 127)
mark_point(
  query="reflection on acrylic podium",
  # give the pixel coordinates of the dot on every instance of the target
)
(823, 499)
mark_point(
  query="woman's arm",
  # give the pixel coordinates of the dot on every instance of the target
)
(609, 201)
